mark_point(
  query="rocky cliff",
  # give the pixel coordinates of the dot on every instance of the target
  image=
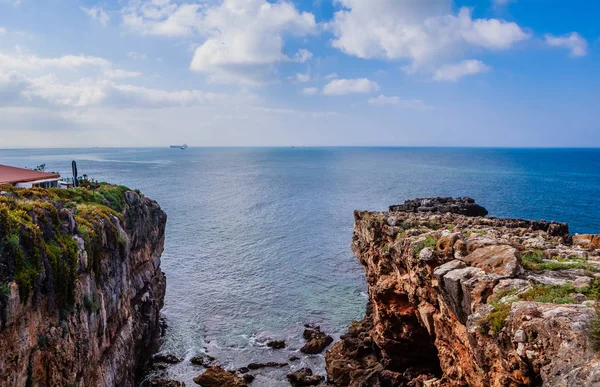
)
(80, 285)
(457, 299)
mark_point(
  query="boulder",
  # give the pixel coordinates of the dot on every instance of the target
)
(499, 259)
(218, 377)
(276, 344)
(304, 377)
(316, 340)
(202, 360)
(169, 359)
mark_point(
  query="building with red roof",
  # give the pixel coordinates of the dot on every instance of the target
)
(27, 178)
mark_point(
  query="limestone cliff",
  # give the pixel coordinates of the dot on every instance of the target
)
(457, 299)
(80, 285)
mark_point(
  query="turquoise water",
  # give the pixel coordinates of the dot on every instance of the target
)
(258, 240)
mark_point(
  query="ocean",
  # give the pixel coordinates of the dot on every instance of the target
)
(258, 239)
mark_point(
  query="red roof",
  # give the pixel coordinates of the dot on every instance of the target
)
(13, 175)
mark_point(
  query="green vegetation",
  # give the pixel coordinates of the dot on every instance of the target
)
(595, 330)
(34, 239)
(91, 304)
(429, 241)
(555, 294)
(535, 261)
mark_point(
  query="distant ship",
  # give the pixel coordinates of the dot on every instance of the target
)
(184, 146)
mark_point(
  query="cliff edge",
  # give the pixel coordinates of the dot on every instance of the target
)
(458, 299)
(80, 285)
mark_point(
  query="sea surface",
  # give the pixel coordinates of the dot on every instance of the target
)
(258, 239)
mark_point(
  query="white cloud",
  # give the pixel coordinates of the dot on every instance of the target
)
(48, 90)
(350, 86)
(576, 44)
(303, 56)
(244, 39)
(24, 61)
(303, 78)
(97, 13)
(118, 74)
(421, 32)
(137, 55)
(383, 100)
(331, 76)
(2, 31)
(453, 72)
(91, 82)
(310, 90)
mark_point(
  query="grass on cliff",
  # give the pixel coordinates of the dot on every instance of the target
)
(535, 261)
(34, 237)
(428, 242)
(555, 294)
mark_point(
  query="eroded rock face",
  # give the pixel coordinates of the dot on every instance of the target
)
(460, 300)
(110, 329)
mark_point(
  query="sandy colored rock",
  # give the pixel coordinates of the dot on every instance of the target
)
(499, 259)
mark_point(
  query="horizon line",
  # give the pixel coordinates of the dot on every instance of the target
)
(311, 146)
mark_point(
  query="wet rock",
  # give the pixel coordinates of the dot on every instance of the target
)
(203, 360)
(316, 340)
(218, 377)
(167, 358)
(304, 377)
(270, 364)
(276, 344)
(248, 378)
(500, 259)
(243, 370)
(294, 358)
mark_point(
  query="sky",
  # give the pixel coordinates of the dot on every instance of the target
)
(496, 73)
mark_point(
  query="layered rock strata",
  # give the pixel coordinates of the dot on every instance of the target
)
(81, 285)
(459, 300)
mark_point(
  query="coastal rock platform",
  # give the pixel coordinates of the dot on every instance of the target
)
(456, 299)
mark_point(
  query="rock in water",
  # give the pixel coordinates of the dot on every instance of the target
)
(316, 340)
(304, 377)
(218, 377)
(202, 360)
(276, 344)
(169, 359)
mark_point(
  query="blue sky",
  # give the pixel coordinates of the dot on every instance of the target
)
(322, 72)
